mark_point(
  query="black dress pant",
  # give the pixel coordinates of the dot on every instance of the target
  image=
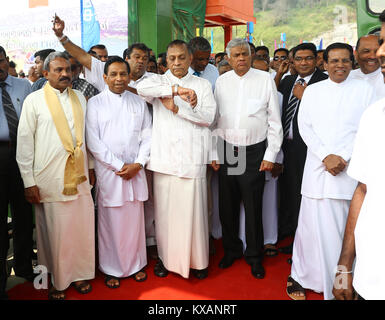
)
(12, 192)
(247, 187)
(290, 184)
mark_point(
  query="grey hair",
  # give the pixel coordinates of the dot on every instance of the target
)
(238, 42)
(223, 63)
(52, 56)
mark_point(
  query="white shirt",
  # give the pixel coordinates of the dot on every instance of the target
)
(375, 79)
(210, 73)
(118, 131)
(179, 141)
(369, 278)
(40, 153)
(328, 121)
(95, 75)
(248, 110)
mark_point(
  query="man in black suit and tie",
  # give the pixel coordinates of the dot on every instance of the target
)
(294, 149)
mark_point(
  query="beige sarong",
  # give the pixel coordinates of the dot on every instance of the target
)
(65, 237)
(181, 223)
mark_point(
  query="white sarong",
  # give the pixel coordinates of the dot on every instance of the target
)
(181, 223)
(65, 238)
(318, 242)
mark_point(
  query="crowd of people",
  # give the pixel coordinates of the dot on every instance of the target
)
(131, 158)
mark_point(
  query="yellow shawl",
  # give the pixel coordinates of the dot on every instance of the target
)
(74, 169)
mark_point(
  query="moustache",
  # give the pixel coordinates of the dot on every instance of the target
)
(64, 79)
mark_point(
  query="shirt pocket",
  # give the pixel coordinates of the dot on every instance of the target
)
(254, 106)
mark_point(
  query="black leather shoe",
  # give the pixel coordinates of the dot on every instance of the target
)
(160, 270)
(227, 261)
(257, 270)
(200, 274)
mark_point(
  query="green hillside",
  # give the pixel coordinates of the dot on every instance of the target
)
(299, 23)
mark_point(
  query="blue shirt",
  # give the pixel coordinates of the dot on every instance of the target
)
(18, 90)
(38, 84)
(209, 73)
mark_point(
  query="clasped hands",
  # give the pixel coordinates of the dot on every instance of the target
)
(265, 166)
(334, 164)
(129, 170)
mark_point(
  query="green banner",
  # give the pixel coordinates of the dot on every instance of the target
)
(132, 21)
(188, 15)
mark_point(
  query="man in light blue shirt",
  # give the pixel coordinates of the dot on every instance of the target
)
(13, 92)
(200, 65)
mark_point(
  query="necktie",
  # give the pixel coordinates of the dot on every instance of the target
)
(197, 73)
(290, 111)
(10, 113)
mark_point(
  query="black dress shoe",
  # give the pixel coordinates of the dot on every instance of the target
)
(257, 270)
(200, 274)
(227, 261)
(287, 250)
(160, 270)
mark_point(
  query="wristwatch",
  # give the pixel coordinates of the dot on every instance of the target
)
(140, 165)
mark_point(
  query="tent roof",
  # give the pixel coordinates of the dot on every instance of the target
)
(228, 12)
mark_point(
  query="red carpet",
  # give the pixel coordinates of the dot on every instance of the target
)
(234, 283)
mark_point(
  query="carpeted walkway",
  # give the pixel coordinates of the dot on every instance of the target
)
(234, 283)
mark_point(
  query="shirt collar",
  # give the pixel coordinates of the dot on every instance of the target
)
(65, 92)
(307, 78)
(176, 79)
(9, 81)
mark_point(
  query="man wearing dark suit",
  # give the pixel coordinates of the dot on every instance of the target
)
(294, 149)
(13, 92)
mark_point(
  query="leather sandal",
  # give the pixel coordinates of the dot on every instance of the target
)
(111, 286)
(293, 286)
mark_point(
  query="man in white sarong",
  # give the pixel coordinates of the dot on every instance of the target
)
(369, 70)
(52, 158)
(328, 121)
(183, 109)
(364, 233)
(118, 128)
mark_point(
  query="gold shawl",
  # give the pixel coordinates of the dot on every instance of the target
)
(74, 169)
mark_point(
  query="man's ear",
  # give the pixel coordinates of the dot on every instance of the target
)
(45, 74)
(105, 77)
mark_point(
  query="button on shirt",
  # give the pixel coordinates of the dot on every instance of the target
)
(18, 90)
(248, 110)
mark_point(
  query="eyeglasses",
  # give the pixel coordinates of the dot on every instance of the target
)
(307, 59)
(343, 61)
(282, 58)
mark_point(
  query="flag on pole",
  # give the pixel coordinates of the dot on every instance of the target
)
(89, 25)
(212, 41)
(275, 45)
(320, 44)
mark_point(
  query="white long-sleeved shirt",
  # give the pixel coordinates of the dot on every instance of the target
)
(328, 121)
(248, 111)
(375, 79)
(118, 131)
(180, 142)
(40, 153)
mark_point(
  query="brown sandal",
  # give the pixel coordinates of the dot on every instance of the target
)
(140, 276)
(83, 287)
(56, 295)
(293, 286)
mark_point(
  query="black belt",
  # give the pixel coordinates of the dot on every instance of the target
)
(6, 144)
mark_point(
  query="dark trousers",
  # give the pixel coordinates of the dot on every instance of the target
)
(247, 187)
(12, 192)
(290, 184)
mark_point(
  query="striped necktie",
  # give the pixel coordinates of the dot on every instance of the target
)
(290, 111)
(197, 73)
(10, 113)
